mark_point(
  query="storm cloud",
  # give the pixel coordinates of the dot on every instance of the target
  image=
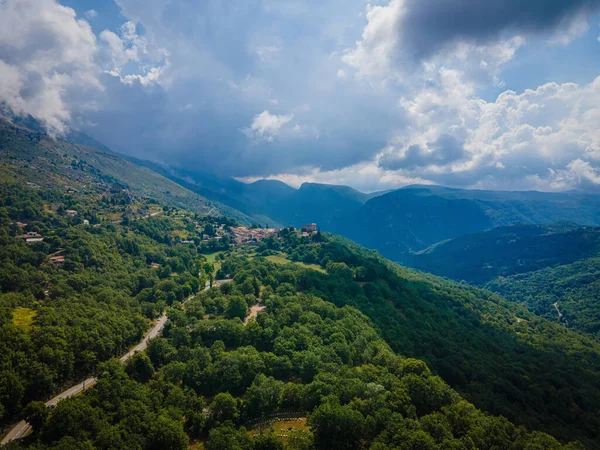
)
(431, 25)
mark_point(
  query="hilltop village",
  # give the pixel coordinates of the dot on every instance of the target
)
(252, 235)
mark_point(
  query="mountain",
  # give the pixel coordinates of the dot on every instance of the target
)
(504, 251)
(31, 155)
(553, 269)
(269, 201)
(319, 203)
(416, 217)
(393, 222)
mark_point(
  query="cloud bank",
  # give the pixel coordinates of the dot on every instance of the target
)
(403, 91)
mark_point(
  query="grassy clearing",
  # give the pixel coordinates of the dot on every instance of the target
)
(23, 318)
(280, 259)
(212, 257)
(284, 428)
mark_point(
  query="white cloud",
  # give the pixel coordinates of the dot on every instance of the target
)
(266, 53)
(128, 48)
(540, 138)
(545, 138)
(584, 172)
(373, 55)
(152, 75)
(91, 14)
(47, 59)
(266, 126)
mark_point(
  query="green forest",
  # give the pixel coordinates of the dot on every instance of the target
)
(59, 321)
(499, 355)
(210, 380)
(551, 269)
(573, 288)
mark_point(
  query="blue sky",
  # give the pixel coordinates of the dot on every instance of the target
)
(500, 94)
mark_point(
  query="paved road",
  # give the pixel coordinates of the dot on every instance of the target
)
(23, 428)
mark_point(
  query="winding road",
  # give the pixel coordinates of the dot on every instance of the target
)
(22, 428)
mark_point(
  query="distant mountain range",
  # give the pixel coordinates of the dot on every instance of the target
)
(395, 223)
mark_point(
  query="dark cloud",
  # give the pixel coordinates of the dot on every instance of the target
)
(151, 123)
(445, 150)
(430, 25)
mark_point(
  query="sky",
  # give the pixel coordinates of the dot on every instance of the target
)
(494, 94)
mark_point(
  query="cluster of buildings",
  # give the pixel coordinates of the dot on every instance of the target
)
(244, 235)
(309, 229)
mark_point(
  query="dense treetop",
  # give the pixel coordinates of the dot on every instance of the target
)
(212, 379)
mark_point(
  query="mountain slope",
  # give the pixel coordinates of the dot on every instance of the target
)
(504, 251)
(38, 159)
(417, 217)
(502, 357)
(551, 269)
(568, 294)
(318, 374)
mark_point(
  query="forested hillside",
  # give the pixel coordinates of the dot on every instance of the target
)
(551, 269)
(214, 382)
(504, 251)
(416, 217)
(31, 156)
(60, 322)
(76, 289)
(501, 356)
(568, 294)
